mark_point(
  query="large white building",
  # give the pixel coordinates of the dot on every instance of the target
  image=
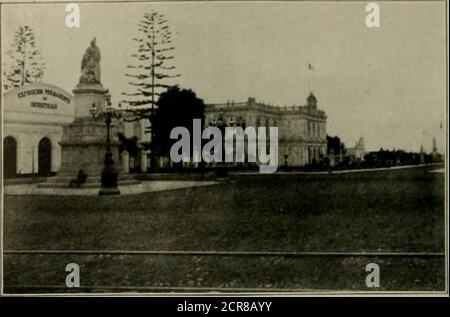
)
(33, 120)
(302, 130)
(357, 152)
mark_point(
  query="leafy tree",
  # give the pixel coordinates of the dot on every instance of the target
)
(176, 107)
(24, 63)
(128, 144)
(335, 145)
(150, 69)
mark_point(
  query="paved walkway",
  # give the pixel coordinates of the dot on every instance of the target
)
(363, 170)
(440, 170)
(144, 187)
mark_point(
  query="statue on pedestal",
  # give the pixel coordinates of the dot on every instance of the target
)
(90, 65)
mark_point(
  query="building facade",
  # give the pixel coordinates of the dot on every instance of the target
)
(357, 152)
(33, 118)
(301, 129)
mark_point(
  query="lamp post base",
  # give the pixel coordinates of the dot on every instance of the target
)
(108, 191)
(109, 178)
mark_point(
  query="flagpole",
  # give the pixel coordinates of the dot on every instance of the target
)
(311, 69)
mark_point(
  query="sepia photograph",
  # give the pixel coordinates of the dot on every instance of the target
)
(224, 148)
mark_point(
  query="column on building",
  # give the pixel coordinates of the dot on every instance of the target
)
(55, 138)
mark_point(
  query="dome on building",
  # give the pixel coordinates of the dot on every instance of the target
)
(311, 100)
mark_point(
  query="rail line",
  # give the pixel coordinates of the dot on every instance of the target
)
(204, 291)
(226, 253)
(168, 289)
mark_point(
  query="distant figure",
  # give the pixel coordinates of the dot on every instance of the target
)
(81, 179)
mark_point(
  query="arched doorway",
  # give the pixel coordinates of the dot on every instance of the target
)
(9, 157)
(44, 157)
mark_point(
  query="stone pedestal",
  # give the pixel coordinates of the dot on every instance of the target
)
(144, 161)
(83, 143)
(332, 160)
(124, 162)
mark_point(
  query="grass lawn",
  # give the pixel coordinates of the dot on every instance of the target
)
(401, 210)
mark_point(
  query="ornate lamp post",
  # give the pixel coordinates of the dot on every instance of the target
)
(109, 173)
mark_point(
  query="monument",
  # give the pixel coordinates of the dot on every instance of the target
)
(434, 153)
(83, 144)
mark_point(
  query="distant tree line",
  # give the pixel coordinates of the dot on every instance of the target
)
(372, 159)
(386, 158)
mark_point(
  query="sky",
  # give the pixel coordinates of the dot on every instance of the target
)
(385, 84)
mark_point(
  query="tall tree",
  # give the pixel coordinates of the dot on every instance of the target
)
(150, 69)
(24, 63)
(176, 108)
